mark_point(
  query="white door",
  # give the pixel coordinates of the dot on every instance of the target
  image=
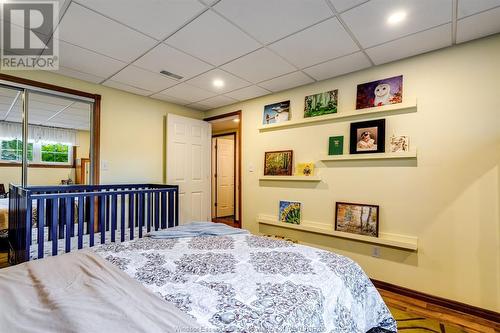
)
(225, 177)
(188, 165)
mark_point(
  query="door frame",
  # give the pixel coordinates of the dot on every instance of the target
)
(235, 135)
(239, 137)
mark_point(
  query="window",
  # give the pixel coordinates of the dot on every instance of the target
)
(55, 152)
(12, 150)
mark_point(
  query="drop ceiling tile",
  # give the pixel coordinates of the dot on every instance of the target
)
(259, 66)
(138, 77)
(170, 99)
(155, 18)
(319, 43)
(421, 42)
(342, 5)
(369, 24)
(470, 7)
(212, 39)
(217, 101)
(164, 57)
(78, 75)
(83, 27)
(231, 82)
(479, 25)
(125, 87)
(198, 106)
(187, 92)
(286, 81)
(339, 66)
(269, 20)
(85, 61)
(247, 93)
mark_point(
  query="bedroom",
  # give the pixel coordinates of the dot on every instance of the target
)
(436, 197)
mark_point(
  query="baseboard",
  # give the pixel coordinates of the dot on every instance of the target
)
(453, 305)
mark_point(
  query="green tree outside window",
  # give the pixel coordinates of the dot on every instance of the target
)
(55, 152)
(12, 150)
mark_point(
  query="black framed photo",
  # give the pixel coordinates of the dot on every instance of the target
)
(367, 137)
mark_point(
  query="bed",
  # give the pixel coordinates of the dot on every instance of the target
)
(218, 278)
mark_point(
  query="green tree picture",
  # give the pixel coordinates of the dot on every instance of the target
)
(321, 104)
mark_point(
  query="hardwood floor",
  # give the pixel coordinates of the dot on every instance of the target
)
(229, 220)
(463, 322)
(4, 259)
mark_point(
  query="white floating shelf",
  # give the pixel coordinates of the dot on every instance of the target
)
(376, 156)
(395, 108)
(391, 240)
(292, 178)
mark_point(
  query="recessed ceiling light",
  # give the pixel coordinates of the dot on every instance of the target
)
(236, 120)
(218, 83)
(396, 17)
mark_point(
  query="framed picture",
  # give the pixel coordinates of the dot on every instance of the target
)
(399, 144)
(336, 145)
(367, 137)
(355, 218)
(304, 169)
(290, 212)
(278, 163)
(321, 104)
(276, 113)
(380, 92)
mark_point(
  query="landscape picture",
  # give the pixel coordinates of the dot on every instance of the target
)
(380, 92)
(278, 163)
(358, 219)
(290, 212)
(321, 104)
(276, 113)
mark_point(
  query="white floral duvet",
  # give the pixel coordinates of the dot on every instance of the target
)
(247, 283)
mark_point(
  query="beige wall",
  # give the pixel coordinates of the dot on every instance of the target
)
(449, 199)
(132, 129)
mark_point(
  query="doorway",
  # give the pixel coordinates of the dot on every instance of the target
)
(226, 169)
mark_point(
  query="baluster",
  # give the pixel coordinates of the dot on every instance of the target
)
(163, 210)
(102, 218)
(53, 223)
(81, 206)
(122, 217)
(113, 216)
(156, 209)
(91, 219)
(150, 217)
(69, 225)
(41, 226)
(140, 212)
(131, 223)
(170, 208)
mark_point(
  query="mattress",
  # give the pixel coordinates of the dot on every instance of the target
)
(247, 283)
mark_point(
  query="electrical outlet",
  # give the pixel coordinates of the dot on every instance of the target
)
(376, 252)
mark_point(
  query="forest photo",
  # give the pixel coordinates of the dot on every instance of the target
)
(357, 218)
(321, 104)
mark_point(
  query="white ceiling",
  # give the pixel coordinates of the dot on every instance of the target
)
(45, 110)
(255, 46)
